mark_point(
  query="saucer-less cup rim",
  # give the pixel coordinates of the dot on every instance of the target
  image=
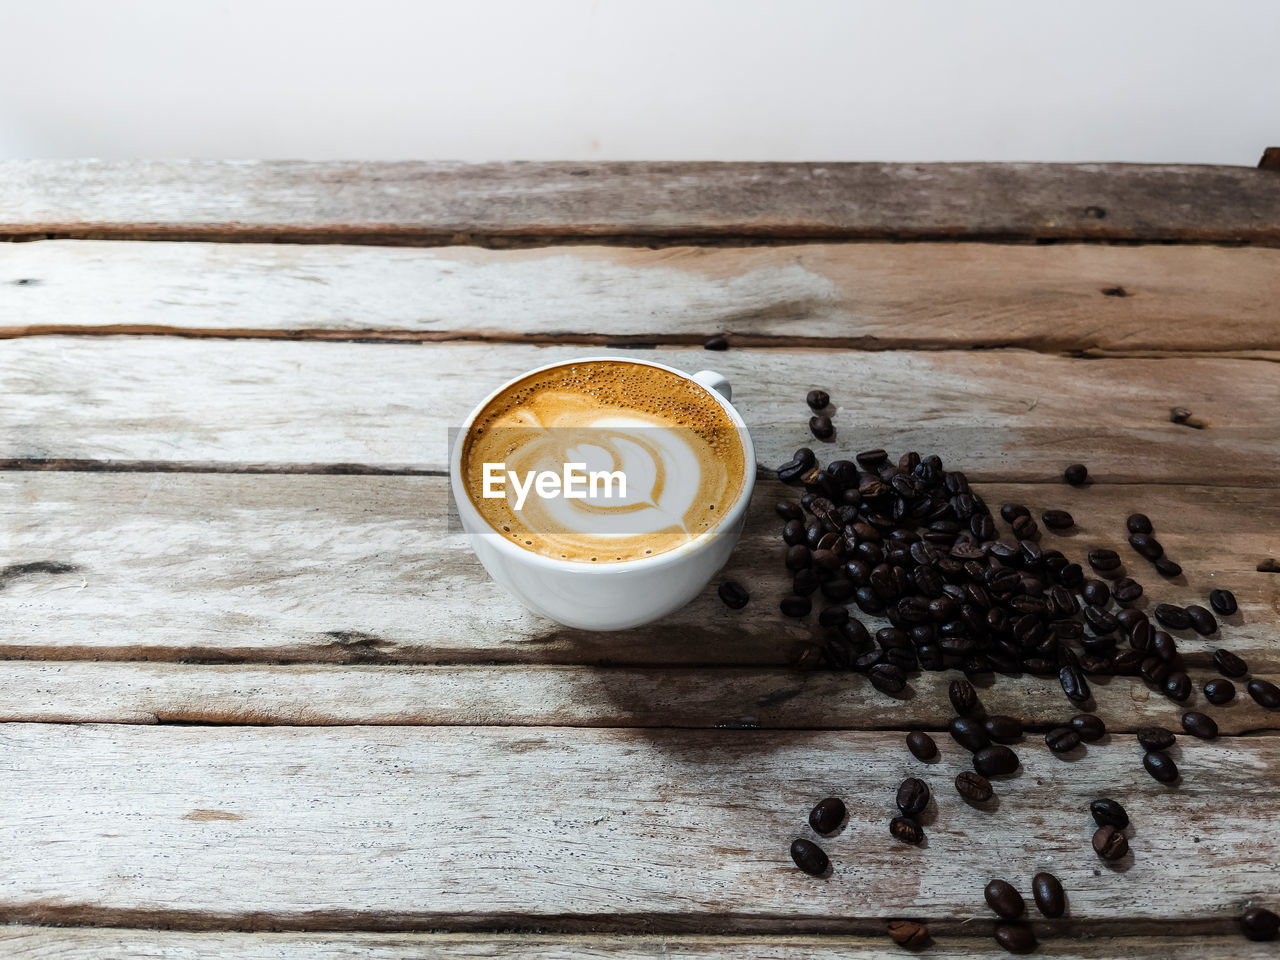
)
(727, 523)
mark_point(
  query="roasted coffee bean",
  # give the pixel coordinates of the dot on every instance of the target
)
(1155, 738)
(1202, 621)
(887, 678)
(995, 761)
(1146, 545)
(1154, 670)
(1012, 511)
(809, 857)
(793, 470)
(1161, 766)
(1167, 568)
(913, 609)
(1177, 686)
(733, 594)
(788, 510)
(833, 616)
(913, 796)
(1076, 474)
(1104, 560)
(838, 589)
(1002, 728)
(824, 558)
(906, 830)
(982, 526)
(1108, 813)
(1224, 601)
(969, 733)
(1173, 617)
(1062, 739)
(1138, 523)
(1230, 664)
(1057, 520)
(1219, 691)
(1125, 663)
(1003, 897)
(1260, 924)
(1090, 727)
(1048, 894)
(1164, 646)
(1102, 622)
(1016, 937)
(1266, 693)
(921, 745)
(798, 557)
(1024, 528)
(805, 582)
(818, 400)
(1126, 590)
(1199, 725)
(868, 601)
(793, 534)
(827, 814)
(716, 343)
(806, 656)
(1072, 575)
(974, 787)
(1073, 684)
(908, 933)
(1096, 593)
(795, 606)
(1109, 843)
(822, 427)
(963, 697)
(870, 459)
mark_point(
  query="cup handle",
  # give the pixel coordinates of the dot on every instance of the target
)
(714, 381)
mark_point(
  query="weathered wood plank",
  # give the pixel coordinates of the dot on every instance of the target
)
(217, 566)
(1004, 415)
(562, 696)
(383, 828)
(23, 942)
(1072, 297)
(431, 203)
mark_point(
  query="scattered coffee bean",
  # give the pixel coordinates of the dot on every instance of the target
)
(995, 761)
(908, 933)
(1057, 520)
(1089, 727)
(821, 427)
(1199, 725)
(921, 745)
(1062, 739)
(1230, 664)
(870, 459)
(1015, 937)
(1177, 686)
(733, 594)
(1073, 684)
(1155, 738)
(1003, 897)
(1096, 593)
(973, 787)
(1024, 528)
(1010, 512)
(1109, 843)
(818, 400)
(827, 814)
(969, 733)
(1126, 590)
(1202, 621)
(1223, 601)
(833, 616)
(963, 697)
(1268, 565)
(1138, 523)
(1219, 691)
(1104, 560)
(1146, 545)
(1108, 813)
(716, 343)
(1002, 728)
(1173, 617)
(1167, 568)
(887, 678)
(795, 606)
(1260, 924)
(1266, 693)
(1048, 894)
(1161, 766)
(913, 796)
(906, 830)
(1076, 474)
(809, 857)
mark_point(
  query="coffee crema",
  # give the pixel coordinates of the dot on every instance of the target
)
(678, 449)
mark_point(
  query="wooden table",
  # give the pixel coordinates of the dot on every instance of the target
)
(263, 702)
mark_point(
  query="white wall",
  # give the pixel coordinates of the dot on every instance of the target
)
(1140, 80)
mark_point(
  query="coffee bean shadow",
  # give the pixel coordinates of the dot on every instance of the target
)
(986, 806)
(1123, 865)
(929, 815)
(1074, 755)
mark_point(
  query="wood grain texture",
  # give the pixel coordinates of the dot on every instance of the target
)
(1002, 415)
(1073, 297)
(361, 569)
(385, 828)
(23, 942)
(563, 696)
(432, 203)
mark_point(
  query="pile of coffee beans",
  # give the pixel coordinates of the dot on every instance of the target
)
(1003, 898)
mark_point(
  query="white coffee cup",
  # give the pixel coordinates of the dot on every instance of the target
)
(607, 596)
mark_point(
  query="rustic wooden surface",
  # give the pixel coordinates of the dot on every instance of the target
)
(350, 735)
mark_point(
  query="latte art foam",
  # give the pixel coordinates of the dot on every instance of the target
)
(678, 450)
